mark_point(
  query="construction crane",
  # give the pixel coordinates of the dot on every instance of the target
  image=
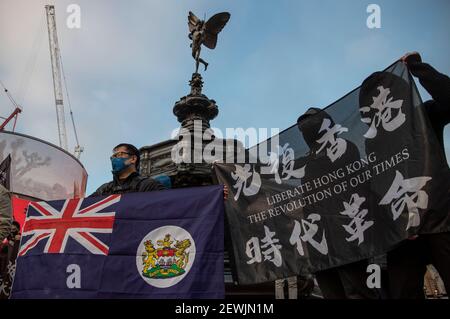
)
(56, 70)
(57, 67)
(14, 115)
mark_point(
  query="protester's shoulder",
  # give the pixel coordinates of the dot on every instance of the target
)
(430, 107)
(352, 147)
(149, 184)
(103, 188)
(351, 151)
(437, 111)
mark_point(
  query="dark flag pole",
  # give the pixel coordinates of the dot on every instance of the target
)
(5, 172)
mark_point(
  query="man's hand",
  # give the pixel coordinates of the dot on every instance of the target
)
(413, 237)
(225, 192)
(411, 58)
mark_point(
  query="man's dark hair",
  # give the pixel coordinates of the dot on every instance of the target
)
(311, 111)
(132, 150)
(309, 124)
(398, 87)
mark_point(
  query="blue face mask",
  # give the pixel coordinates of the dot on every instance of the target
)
(118, 164)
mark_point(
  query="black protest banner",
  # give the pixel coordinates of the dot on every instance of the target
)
(344, 184)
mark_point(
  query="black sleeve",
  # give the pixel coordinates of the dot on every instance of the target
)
(150, 185)
(100, 191)
(437, 84)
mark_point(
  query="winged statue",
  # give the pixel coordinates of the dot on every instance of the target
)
(201, 32)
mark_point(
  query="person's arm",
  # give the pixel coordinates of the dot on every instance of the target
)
(436, 83)
(150, 185)
(5, 213)
(100, 191)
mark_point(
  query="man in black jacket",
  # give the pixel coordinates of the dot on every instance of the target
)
(407, 263)
(126, 179)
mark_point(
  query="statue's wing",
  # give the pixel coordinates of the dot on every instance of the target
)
(192, 21)
(212, 28)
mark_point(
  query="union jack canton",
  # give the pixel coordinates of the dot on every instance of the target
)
(45, 222)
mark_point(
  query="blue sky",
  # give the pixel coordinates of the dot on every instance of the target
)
(130, 62)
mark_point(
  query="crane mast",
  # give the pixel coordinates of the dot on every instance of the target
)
(56, 71)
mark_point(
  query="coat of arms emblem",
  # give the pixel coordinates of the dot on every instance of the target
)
(166, 260)
(165, 256)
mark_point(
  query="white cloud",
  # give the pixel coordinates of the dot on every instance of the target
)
(117, 46)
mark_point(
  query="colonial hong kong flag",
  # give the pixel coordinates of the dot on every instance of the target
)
(166, 244)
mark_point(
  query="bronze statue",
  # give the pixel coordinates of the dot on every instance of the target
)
(205, 33)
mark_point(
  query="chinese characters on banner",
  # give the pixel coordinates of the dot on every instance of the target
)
(346, 183)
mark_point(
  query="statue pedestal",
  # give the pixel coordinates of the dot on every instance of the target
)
(194, 111)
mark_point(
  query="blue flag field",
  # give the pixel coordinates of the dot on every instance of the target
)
(166, 244)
